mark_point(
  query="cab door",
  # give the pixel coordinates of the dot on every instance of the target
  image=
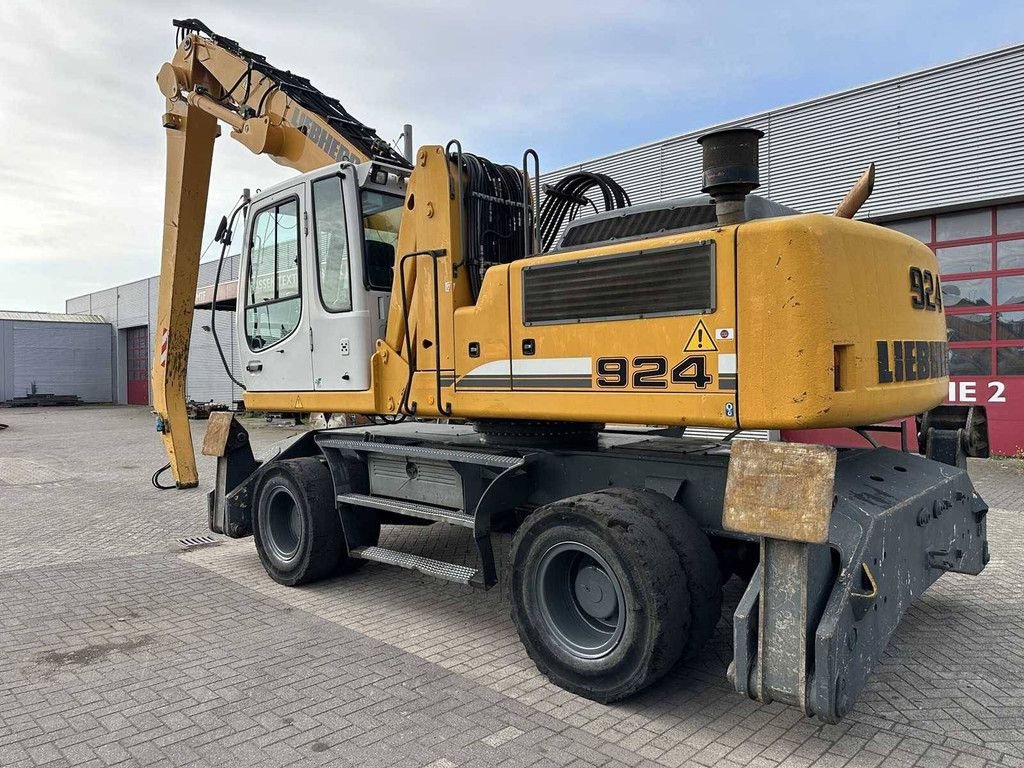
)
(273, 329)
(342, 314)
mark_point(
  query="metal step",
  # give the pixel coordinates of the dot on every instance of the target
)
(410, 508)
(460, 574)
(419, 451)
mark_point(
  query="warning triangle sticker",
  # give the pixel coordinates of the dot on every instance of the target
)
(700, 340)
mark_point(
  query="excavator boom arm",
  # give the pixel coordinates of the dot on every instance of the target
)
(212, 79)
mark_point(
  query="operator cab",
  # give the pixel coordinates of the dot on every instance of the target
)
(317, 264)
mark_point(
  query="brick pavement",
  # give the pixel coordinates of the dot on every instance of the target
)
(117, 648)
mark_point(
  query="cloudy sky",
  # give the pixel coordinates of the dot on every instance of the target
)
(81, 164)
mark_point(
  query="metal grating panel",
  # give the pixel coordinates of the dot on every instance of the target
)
(712, 433)
(191, 542)
(353, 441)
(630, 224)
(667, 281)
(435, 568)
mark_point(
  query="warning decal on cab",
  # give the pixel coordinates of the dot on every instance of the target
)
(700, 340)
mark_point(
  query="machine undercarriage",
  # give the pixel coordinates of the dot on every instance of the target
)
(899, 521)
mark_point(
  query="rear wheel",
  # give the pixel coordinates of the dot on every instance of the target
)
(696, 556)
(598, 596)
(296, 526)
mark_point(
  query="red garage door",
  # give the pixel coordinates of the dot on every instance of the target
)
(981, 256)
(138, 365)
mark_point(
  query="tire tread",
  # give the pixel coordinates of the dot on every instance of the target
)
(696, 555)
(656, 564)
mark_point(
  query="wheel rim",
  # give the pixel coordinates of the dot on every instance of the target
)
(580, 600)
(282, 525)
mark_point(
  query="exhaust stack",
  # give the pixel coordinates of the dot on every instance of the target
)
(407, 148)
(730, 171)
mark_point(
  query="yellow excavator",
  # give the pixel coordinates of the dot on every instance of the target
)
(530, 367)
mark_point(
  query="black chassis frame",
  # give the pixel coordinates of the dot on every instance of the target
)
(899, 521)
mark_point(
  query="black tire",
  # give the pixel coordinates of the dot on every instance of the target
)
(696, 556)
(296, 526)
(559, 554)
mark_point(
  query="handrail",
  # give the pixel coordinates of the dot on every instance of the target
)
(459, 200)
(410, 408)
(531, 233)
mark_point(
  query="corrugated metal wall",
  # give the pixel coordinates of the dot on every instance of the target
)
(207, 380)
(80, 305)
(206, 377)
(134, 304)
(59, 358)
(944, 137)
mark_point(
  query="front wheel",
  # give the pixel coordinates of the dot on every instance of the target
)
(296, 526)
(598, 596)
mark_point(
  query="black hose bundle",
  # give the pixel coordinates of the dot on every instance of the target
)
(495, 225)
(566, 199)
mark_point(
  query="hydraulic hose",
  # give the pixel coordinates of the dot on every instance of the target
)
(156, 478)
(225, 244)
(566, 198)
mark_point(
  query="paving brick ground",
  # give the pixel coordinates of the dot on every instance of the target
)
(119, 648)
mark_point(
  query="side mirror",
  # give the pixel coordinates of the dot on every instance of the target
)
(223, 236)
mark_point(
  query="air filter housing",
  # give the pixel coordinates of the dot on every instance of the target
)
(730, 170)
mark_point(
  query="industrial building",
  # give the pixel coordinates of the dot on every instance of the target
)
(51, 353)
(948, 146)
(130, 309)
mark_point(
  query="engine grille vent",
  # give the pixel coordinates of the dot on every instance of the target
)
(666, 281)
(631, 224)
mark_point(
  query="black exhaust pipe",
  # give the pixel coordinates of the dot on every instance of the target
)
(730, 171)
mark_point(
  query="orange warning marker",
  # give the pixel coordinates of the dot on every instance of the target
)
(701, 340)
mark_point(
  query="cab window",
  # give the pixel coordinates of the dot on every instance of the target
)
(273, 301)
(332, 260)
(382, 213)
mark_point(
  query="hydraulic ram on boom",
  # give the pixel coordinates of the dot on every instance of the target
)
(503, 345)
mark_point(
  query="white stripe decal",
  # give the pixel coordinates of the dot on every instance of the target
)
(726, 363)
(539, 366)
(551, 366)
(493, 368)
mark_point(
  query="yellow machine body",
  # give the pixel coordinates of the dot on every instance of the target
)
(803, 321)
(813, 322)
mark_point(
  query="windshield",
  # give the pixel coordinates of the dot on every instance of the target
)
(382, 215)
